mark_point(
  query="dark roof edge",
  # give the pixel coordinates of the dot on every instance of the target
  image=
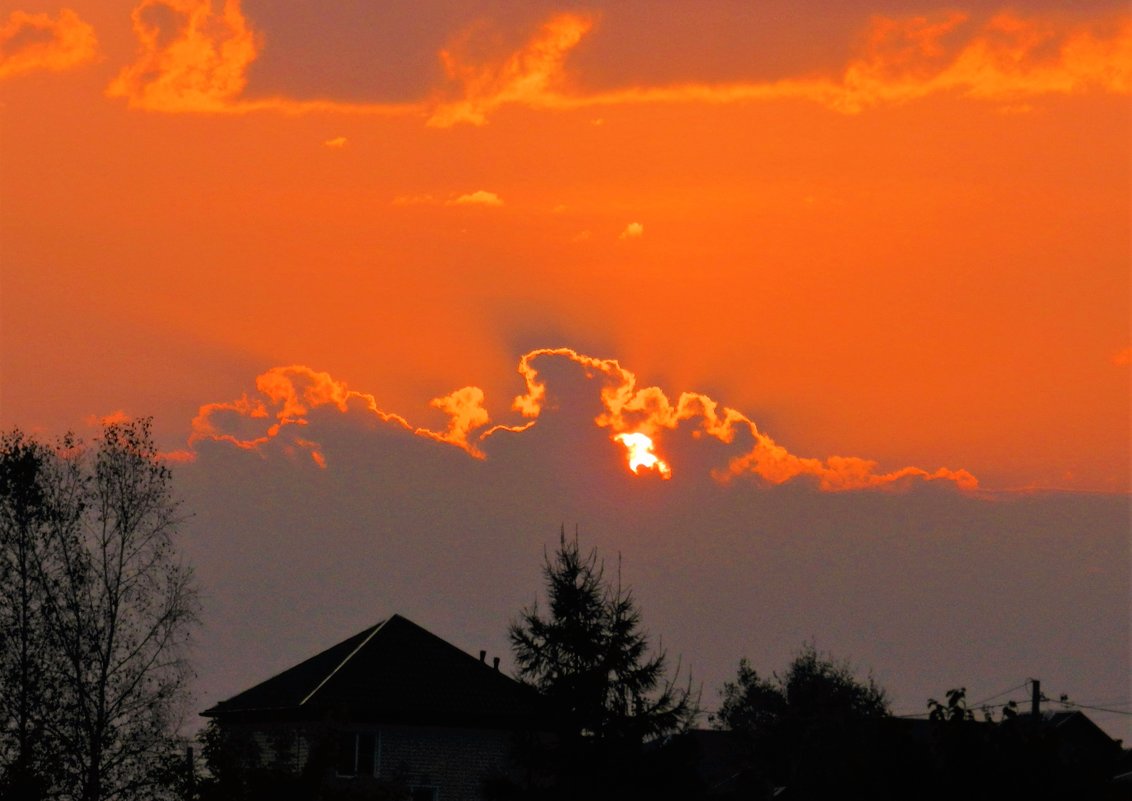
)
(349, 656)
(217, 708)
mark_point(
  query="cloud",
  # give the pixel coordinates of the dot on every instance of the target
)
(286, 396)
(413, 200)
(1122, 357)
(648, 410)
(336, 142)
(1006, 59)
(529, 76)
(34, 42)
(191, 57)
(477, 198)
(633, 230)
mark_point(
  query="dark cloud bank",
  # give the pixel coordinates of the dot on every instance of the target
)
(928, 586)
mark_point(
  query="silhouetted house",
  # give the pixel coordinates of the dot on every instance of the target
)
(394, 706)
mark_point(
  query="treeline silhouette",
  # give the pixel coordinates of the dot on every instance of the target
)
(96, 611)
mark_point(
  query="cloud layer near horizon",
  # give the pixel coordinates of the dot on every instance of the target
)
(932, 587)
(278, 414)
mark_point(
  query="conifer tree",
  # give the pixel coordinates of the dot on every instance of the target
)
(591, 659)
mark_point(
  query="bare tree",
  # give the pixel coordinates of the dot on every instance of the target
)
(30, 674)
(117, 608)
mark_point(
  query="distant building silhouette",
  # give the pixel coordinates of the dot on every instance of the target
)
(393, 711)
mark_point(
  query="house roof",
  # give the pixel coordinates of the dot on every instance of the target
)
(395, 672)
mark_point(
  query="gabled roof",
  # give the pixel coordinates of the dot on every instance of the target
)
(393, 672)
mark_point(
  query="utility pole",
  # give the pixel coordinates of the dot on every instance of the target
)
(1036, 699)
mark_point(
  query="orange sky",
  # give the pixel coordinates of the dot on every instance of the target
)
(393, 277)
(910, 245)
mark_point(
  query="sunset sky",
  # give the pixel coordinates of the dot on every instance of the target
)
(400, 282)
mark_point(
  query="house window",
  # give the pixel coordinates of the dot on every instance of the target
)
(357, 754)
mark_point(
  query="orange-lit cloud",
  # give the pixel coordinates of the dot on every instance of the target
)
(33, 42)
(532, 76)
(636, 417)
(1006, 59)
(478, 198)
(413, 200)
(1123, 357)
(286, 396)
(633, 230)
(191, 58)
(336, 142)
(648, 410)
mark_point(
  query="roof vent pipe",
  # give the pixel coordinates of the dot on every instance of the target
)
(495, 662)
(483, 655)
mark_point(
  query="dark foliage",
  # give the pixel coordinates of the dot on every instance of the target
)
(608, 692)
(95, 615)
(807, 729)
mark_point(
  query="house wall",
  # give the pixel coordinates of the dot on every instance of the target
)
(454, 760)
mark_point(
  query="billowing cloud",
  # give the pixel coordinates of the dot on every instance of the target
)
(478, 198)
(33, 42)
(285, 397)
(532, 75)
(636, 417)
(191, 57)
(648, 410)
(194, 58)
(1006, 59)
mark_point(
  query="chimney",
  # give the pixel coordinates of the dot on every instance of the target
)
(483, 655)
(495, 662)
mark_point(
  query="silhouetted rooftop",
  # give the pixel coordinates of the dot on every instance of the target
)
(392, 672)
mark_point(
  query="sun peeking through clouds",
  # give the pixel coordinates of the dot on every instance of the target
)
(640, 448)
(278, 415)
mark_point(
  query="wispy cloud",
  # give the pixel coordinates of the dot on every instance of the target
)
(193, 58)
(633, 230)
(34, 42)
(530, 76)
(478, 198)
(336, 143)
(280, 409)
(1006, 59)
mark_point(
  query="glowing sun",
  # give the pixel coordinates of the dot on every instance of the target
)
(640, 448)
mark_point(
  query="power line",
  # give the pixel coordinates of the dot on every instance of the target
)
(1004, 692)
(1095, 708)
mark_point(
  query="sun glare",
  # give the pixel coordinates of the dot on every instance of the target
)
(641, 455)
